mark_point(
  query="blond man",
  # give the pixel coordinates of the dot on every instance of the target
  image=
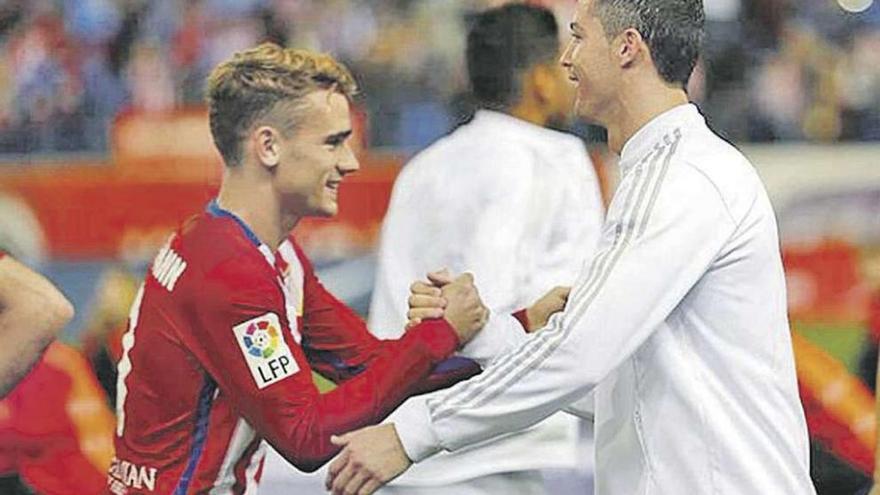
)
(231, 319)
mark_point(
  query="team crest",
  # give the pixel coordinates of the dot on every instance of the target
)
(267, 355)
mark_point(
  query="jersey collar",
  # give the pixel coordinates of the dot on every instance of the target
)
(214, 209)
(644, 141)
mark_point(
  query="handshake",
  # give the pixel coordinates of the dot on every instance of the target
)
(372, 456)
(457, 300)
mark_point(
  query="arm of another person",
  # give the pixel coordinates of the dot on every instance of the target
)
(32, 313)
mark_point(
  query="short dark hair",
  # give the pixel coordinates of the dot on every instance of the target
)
(502, 44)
(673, 30)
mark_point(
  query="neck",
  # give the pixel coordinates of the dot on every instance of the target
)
(637, 107)
(524, 110)
(256, 204)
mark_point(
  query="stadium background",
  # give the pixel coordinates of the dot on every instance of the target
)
(104, 149)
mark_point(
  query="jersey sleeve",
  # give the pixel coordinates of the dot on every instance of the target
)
(336, 341)
(502, 333)
(662, 249)
(239, 333)
(338, 345)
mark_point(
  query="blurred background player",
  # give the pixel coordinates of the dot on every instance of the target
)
(230, 321)
(519, 206)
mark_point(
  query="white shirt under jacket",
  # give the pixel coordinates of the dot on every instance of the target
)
(518, 206)
(679, 326)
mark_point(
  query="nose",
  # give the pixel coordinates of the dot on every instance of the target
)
(349, 162)
(565, 59)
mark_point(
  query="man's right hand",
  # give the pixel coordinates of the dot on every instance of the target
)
(426, 299)
(552, 302)
(456, 300)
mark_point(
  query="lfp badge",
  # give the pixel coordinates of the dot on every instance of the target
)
(264, 349)
(261, 338)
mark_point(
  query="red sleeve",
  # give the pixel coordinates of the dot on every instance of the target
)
(523, 318)
(336, 341)
(338, 344)
(235, 314)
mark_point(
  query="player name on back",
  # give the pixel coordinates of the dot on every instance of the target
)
(124, 475)
(168, 267)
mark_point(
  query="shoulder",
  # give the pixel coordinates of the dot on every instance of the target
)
(208, 256)
(559, 141)
(721, 166)
(478, 147)
(466, 171)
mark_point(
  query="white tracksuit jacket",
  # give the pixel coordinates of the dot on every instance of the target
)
(679, 326)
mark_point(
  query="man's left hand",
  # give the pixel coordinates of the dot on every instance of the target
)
(370, 457)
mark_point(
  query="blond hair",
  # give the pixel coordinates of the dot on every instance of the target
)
(249, 86)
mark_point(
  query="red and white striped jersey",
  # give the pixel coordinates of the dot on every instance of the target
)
(219, 355)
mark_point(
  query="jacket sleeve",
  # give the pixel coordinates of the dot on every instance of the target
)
(661, 237)
(241, 336)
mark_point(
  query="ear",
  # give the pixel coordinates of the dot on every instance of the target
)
(630, 47)
(268, 146)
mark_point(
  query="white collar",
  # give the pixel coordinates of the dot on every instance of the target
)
(499, 120)
(642, 142)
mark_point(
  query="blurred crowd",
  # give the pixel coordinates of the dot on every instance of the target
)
(773, 69)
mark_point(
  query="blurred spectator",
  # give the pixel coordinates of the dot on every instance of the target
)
(107, 321)
(805, 69)
(56, 429)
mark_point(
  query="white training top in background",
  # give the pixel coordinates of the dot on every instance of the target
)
(518, 206)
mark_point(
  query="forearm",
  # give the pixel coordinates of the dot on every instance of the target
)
(447, 374)
(301, 433)
(23, 344)
(502, 333)
(32, 313)
(516, 391)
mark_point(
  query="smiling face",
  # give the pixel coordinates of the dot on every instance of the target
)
(589, 60)
(315, 158)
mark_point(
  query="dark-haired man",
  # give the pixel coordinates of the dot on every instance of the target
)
(522, 211)
(679, 324)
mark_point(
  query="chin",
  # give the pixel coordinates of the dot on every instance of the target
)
(327, 211)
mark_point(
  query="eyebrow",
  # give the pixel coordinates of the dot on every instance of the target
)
(338, 137)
